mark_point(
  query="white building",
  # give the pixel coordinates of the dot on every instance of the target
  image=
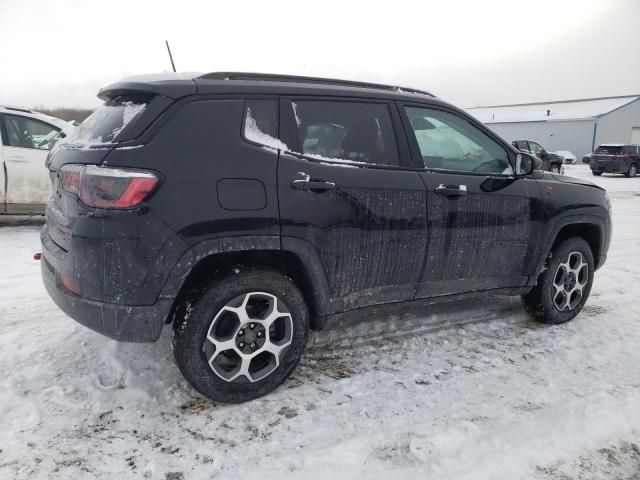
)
(575, 125)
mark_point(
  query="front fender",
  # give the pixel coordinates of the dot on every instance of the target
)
(556, 224)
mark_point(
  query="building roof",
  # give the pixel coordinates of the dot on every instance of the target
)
(582, 109)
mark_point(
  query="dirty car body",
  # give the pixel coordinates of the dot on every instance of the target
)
(246, 172)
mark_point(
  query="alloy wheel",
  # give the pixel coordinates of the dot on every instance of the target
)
(247, 337)
(569, 281)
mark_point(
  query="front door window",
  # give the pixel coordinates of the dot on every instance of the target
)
(449, 142)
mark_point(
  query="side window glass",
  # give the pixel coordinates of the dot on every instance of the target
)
(535, 148)
(27, 133)
(346, 131)
(261, 123)
(449, 142)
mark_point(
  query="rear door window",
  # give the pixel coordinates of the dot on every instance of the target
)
(105, 124)
(345, 132)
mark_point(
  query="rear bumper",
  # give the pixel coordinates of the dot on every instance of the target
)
(607, 168)
(125, 323)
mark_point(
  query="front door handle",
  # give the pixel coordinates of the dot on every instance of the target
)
(314, 186)
(451, 190)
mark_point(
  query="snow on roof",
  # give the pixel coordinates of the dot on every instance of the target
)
(161, 77)
(550, 111)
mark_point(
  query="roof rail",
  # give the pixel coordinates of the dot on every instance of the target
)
(268, 77)
(17, 109)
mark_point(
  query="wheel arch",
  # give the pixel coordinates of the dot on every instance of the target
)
(590, 228)
(209, 259)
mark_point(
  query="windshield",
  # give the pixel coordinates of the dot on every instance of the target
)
(104, 125)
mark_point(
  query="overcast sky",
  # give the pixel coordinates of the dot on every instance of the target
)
(59, 53)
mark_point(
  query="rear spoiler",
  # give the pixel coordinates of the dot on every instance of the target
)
(172, 89)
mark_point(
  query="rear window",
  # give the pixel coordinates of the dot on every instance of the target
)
(105, 124)
(609, 149)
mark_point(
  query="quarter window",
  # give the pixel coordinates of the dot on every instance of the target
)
(28, 133)
(261, 123)
(345, 131)
(449, 142)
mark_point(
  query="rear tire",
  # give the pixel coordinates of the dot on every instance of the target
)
(563, 287)
(242, 336)
(632, 172)
(597, 174)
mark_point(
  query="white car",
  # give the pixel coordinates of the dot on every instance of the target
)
(25, 139)
(567, 155)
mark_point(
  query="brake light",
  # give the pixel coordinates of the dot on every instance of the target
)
(622, 156)
(104, 187)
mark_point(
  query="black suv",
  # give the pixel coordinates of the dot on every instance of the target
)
(244, 209)
(623, 159)
(551, 162)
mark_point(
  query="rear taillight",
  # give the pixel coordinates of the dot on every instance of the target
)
(104, 187)
(70, 178)
(622, 156)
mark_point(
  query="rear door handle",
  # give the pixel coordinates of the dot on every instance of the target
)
(314, 186)
(451, 190)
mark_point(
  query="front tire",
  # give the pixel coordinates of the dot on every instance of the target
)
(597, 174)
(563, 288)
(242, 336)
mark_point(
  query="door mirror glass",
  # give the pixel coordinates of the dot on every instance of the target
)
(526, 164)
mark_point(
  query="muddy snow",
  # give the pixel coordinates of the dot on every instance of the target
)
(466, 390)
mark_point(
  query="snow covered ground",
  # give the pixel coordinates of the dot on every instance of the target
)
(471, 390)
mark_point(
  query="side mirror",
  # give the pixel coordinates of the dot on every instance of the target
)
(527, 164)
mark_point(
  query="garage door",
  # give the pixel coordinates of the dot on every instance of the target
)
(635, 135)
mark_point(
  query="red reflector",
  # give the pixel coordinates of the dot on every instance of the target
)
(37, 255)
(69, 284)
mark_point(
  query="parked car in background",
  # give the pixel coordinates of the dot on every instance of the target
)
(551, 162)
(616, 158)
(27, 137)
(567, 155)
(244, 209)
